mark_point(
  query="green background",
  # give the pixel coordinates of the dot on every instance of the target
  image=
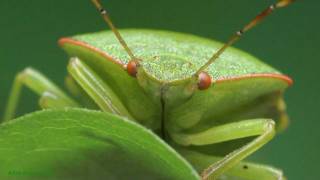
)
(288, 40)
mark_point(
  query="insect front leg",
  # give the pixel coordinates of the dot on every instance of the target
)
(245, 170)
(263, 128)
(51, 95)
(96, 88)
(79, 94)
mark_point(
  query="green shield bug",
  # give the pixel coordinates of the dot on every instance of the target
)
(212, 103)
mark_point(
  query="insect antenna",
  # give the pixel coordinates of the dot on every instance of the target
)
(238, 34)
(107, 19)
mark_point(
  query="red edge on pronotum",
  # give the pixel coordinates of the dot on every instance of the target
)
(63, 41)
(285, 78)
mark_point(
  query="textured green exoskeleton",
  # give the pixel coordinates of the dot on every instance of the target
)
(214, 128)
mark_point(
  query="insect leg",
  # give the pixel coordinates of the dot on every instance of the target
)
(80, 95)
(51, 100)
(72, 86)
(96, 88)
(263, 128)
(243, 170)
(39, 84)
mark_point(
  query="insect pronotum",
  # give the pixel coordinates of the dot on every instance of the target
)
(204, 80)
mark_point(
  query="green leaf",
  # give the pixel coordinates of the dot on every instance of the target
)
(83, 144)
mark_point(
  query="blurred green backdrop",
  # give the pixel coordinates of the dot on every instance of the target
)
(288, 40)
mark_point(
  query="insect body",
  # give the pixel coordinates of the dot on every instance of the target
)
(170, 83)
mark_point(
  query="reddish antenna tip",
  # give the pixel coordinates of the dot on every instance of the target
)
(132, 67)
(283, 3)
(204, 81)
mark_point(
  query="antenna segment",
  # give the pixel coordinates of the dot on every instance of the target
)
(107, 19)
(238, 34)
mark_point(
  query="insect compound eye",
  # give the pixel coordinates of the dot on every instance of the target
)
(132, 67)
(204, 81)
